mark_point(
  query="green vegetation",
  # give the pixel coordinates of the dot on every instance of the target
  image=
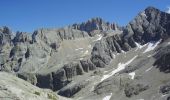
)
(37, 93)
(52, 97)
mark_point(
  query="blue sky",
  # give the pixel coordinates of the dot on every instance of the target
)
(28, 15)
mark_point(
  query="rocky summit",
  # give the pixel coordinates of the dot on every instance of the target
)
(93, 60)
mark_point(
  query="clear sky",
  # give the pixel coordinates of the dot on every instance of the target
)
(28, 15)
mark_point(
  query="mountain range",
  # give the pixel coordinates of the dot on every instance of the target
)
(93, 60)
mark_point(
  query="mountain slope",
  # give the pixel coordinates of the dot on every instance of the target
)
(13, 88)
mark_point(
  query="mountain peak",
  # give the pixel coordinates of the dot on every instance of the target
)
(95, 23)
(151, 8)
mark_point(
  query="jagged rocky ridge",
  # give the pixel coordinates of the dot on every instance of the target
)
(39, 58)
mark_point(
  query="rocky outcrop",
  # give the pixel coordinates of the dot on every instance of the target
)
(112, 84)
(50, 36)
(163, 63)
(60, 78)
(5, 36)
(87, 65)
(94, 24)
(69, 91)
(5, 47)
(22, 37)
(162, 59)
(73, 69)
(29, 77)
(131, 90)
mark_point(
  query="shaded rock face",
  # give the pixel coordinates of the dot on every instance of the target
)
(104, 50)
(31, 78)
(87, 65)
(72, 70)
(69, 91)
(162, 59)
(163, 63)
(45, 81)
(60, 78)
(165, 89)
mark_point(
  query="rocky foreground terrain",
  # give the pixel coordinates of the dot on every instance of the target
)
(93, 60)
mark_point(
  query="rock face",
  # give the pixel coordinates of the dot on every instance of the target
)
(59, 59)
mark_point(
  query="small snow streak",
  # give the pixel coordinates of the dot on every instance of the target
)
(139, 46)
(149, 69)
(99, 37)
(86, 52)
(132, 74)
(89, 46)
(143, 14)
(78, 49)
(107, 97)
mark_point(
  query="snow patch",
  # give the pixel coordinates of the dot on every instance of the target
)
(79, 49)
(107, 97)
(81, 58)
(123, 51)
(149, 56)
(114, 56)
(99, 37)
(139, 46)
(132, 74)
(89, 46)
(163, 95)
(149, 69)
(151, 46)
(140, 99)
(86, 52)
(120, 67)
(143, 14)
